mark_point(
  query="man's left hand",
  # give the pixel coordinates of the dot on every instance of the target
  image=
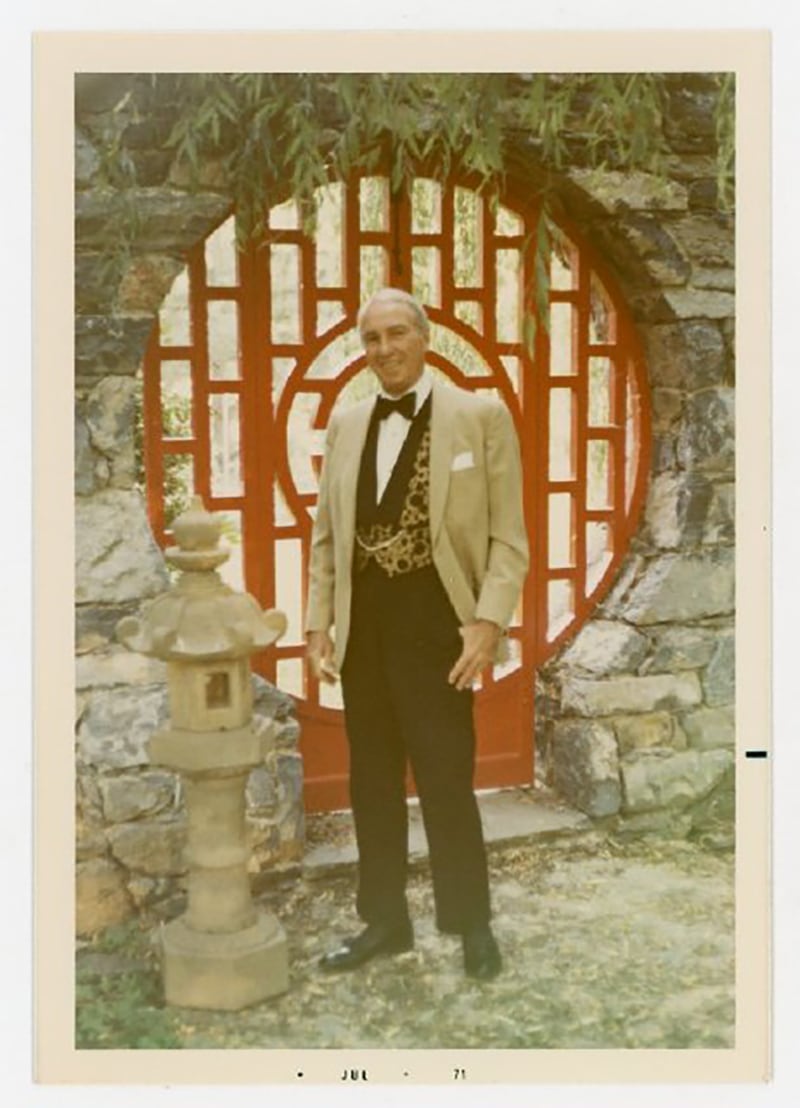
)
(480, 643)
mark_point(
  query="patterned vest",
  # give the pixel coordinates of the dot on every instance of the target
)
(395, 533)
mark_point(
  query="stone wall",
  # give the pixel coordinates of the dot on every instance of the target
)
(131, 815)
(635, 718)
(636, 715)
(131, 819)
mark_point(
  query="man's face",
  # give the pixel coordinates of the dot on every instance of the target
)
(394, 346)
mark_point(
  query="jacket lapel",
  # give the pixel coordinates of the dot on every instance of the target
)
(441, 453)
(356, 430)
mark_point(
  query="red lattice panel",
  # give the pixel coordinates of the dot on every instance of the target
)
(259, 413)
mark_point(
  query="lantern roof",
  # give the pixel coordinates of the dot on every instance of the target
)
(200, 616)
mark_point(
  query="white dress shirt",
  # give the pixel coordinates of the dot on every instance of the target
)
(394, 429)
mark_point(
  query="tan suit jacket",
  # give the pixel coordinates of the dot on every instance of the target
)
(479, 542)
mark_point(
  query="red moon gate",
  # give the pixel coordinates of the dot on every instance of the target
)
(253, 351)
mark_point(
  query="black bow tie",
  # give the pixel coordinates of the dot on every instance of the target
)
(405, 405)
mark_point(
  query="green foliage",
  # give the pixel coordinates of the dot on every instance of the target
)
(177, 482)
(176, 414)
(123, 1010)
(122, 938)
(625, 117)
(280, 135)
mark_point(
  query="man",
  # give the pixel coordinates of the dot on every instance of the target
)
(418, 557)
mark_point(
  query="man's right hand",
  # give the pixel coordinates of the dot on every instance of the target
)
(319, 648)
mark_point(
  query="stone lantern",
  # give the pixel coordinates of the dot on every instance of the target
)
(223, 953)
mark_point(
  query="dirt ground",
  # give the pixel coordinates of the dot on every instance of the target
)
(606, 945)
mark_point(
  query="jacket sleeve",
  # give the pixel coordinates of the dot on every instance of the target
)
(321, 566)
(507, 557)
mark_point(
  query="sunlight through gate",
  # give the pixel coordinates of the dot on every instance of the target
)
(253, 351)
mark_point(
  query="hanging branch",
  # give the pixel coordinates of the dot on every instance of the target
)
(287, 134)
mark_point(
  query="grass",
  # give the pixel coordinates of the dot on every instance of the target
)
(119, 1001)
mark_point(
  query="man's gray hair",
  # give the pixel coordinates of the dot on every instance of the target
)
(397, 296)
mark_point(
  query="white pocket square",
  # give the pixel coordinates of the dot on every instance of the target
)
(463, 461)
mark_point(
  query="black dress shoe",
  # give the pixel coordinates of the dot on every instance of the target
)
(481, 954)
(374, 939)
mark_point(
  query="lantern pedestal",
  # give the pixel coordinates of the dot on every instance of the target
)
(224, 971)
(223, 953)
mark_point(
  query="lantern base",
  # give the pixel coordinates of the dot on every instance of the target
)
(224, 971)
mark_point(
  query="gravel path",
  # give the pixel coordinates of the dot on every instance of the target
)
(606, 945)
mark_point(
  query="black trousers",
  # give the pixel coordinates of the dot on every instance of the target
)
(399, 708)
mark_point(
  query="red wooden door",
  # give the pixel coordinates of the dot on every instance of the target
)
(254, 350)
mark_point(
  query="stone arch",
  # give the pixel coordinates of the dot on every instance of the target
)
(640, 704)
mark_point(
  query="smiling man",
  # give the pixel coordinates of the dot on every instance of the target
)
(418, 557)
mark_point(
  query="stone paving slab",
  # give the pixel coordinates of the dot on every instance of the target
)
(508, 816)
